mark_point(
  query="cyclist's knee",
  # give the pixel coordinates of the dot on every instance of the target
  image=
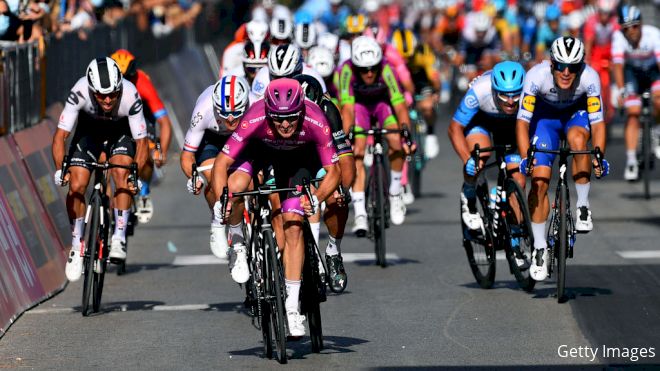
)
(578, 141)
(540, 185)
(634, 111)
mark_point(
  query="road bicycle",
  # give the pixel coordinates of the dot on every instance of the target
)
(95, 242)
(418, 160)
(561, 233)
(507, 224)
(647, 156)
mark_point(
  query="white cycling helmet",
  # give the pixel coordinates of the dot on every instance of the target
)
(104, 76)
(281, 28)
(284, 61)
(606, 6)
(481, 22)
(329, 41)
(230, 96)
(370, 6)
(366, 52)
(257, 31)
(305, 35)
(567, 50)
(322, 61)
(575, 20)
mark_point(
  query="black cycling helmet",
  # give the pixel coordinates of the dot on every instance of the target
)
(312, 87)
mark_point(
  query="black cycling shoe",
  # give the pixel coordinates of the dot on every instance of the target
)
(336, 272)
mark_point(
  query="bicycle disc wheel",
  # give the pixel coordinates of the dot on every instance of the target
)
(91, 240)
(311, 295)
(277, 293)
(520, 241)
(380, 222)
(563, 244)
(479, 246)
(646, 157)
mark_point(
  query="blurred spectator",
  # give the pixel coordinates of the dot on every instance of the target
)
(11, 27)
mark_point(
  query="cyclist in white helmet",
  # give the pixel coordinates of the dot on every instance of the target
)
(561, 99)
(305, 37)
(217, 114)
(232, 56)
(281, 30)
(108, 112)
(322, 61)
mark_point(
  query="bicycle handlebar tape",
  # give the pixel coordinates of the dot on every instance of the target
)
(530, 158)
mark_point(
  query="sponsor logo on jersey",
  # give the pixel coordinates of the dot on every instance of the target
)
(471, 101)
(258, 87)
(529, 102)
(338, 134)
(225, 148)
(237, 137)
(72, 99)
(593, 104)
(255, 120)
(135, 108)
(196, 119)
(244, 124)
(326, 130)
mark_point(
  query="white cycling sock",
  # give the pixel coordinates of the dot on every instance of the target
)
(316, 231)
(121, 221)
(358, 203)
(582, 194)
(538, 230)
(631, 156)
(77, 231)
(395, 182)
(236, 233)
(333, 246)
(292, 295)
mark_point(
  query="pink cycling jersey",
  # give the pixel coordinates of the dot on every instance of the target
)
(254, 126)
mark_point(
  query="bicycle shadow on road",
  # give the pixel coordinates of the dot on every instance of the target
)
(511, 285)
(123, 306)
(303, 348)
(136, 268)
(572, 293)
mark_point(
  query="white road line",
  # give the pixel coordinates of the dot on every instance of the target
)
(182, 307)
(363, 257)
(198, 260)
(499, 255)
(639, 254)
(50, 310)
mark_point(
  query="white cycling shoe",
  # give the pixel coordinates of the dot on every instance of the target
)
(397, 209)
(238, 266)
(74, 264)
(360, 225)
(471, 220)
(431, 146)
(117, 249)
(218, 242)
(583, 221)
(296, 323)
(145, 209)
(631, 173)
(408, 196)
(539, 268)
(368, 157)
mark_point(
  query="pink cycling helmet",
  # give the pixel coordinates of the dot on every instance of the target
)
(284, 97)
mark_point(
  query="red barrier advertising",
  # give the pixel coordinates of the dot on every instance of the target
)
(31, 255)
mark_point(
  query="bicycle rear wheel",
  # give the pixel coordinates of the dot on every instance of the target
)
(101, 264)
(311, 292)
(520, 241)
(417, 159)
(562, 249)
(646, 156)
(479, 246)
(378, 212)
(277, 293)
(91, 241)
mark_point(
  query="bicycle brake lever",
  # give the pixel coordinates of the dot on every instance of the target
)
(476, 155)
(599, 159)
(224, 200)
(530, 158)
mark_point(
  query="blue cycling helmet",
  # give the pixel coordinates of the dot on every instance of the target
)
(303, 16)
(629, 15)
(507, 77)
(552, 13)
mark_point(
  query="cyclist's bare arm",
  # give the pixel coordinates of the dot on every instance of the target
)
(330, 182)
(618, 75)
(220, 174)
(59, 140)
(458, 141)
(165, 136)
(402, 114)
(187, 160)
(348, 116)
(141, 152)
(599, 135)
(522, 137)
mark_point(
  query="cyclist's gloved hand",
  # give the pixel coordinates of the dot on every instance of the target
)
(523, 167)
(194, 189)
(605, 171)
(471, 167)
(58, 178)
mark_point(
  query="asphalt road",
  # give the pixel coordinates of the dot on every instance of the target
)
(423, 310)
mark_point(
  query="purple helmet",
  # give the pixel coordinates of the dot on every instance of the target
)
(284, 97)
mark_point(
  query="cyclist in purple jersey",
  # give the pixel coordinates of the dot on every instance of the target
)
(369, 89)
(294, 137)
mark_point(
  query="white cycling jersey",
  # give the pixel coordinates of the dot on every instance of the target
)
(262, 79)
(130, 105)
(203, 118)
(539, 84)
(232, 58)
(645, 56)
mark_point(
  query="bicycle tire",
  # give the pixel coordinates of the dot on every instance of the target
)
(480, 250)
(380, 222)
(563, 243)
(277, 294)
(646, 157)
(311, 296)
(99, 276)
(523, 228)
(92, 234)
(417, 160)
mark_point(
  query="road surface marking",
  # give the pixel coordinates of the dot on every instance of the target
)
(352, 257)
(639, 254)
(182, 307)
(198, 260)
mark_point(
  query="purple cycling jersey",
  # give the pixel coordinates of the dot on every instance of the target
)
(314, 131)
(352, 89)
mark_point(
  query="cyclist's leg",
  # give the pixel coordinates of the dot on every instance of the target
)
(633, 105)
(578, 132)
(474, 135)
(655, 95)
(121, 152)
(387, 120)
(362, 123)
(239, 180)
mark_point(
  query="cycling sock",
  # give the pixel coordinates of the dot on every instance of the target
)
(395, 182)
(582, 194)
(292, 295)
(538, 230)
(121, 219)
(358, 203)
(236, 233)
(145, 191)
(316, 231)
(631, 156)
(333, 246)
(77, 231)
(470, 193)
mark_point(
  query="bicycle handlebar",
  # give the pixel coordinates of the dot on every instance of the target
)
(498, 148)
(101, 166)
(531, 152)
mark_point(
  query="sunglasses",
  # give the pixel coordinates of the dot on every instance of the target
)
(365, 70)
(289, 118)
(112, 96)
(504, 97)
(631, 27)
(225, 115)
(572, 67)
(252, 70)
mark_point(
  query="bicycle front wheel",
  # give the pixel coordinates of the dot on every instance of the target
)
(563, 243)
(520, 239)
(311, 292)
(101, 263)
(91, 241)
(277, 293)
(379, 213)
(646, 157)
(479, 245)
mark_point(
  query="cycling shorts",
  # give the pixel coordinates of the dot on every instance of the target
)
(501, 130)
(637, 81)
(93, 137)
(549, 130)
(381, 112)
(210, 147)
